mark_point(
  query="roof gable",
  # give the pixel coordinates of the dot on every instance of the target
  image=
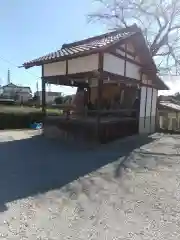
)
(105, 42)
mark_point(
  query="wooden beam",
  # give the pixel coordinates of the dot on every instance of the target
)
(145, 110)
(66, 81)
(43, 92)
(125, 62)
(79, 79)
(151, 107)
(126, 58)
(127, 51)
(120, 79)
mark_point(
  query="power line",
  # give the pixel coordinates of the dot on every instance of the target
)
(14, 65)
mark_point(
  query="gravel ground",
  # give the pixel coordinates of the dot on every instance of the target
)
(54, 191)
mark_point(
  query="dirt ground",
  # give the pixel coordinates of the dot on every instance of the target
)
(128, 189)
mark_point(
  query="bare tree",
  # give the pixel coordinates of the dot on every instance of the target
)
(158, 19)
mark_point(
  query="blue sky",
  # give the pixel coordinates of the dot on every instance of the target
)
(30, 29)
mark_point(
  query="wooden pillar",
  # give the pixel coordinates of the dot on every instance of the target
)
(100, 89)
(100, 80)
(43, 92)
(99, 93)
(177, 124)
(89, 93)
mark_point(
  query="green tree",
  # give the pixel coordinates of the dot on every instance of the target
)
(36, 98)
(59, 100)
(177, 96)
(67, 99)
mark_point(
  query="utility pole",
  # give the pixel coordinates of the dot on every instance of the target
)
(8, 77)
(49, 87)
(37, 87)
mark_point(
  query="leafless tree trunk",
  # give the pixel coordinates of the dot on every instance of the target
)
(158, 19)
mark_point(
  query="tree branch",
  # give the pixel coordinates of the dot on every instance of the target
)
(158, 19)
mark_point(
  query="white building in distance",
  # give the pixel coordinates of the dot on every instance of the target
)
(18, 93)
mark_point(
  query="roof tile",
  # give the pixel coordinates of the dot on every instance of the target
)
(170, 105)
(81, 47)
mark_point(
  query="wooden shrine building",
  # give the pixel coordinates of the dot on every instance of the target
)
(118, 76)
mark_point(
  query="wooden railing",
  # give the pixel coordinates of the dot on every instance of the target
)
(70, 110)
(94, 125)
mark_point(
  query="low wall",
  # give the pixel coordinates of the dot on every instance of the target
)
(84, 131)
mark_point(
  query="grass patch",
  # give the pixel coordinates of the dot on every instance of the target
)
(26, 109)
(16, 117)
(19, 120)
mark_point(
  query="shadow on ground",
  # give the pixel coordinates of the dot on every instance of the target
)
(36, 165)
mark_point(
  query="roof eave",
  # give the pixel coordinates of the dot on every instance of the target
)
(162, 85)
(62, 58)
(79, 54)
(168, 108)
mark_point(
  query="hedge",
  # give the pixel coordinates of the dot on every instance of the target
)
(19, 120)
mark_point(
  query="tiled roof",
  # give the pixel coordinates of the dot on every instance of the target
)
(86, 46)
(10, 85)
(168, 104)
(15, 86)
